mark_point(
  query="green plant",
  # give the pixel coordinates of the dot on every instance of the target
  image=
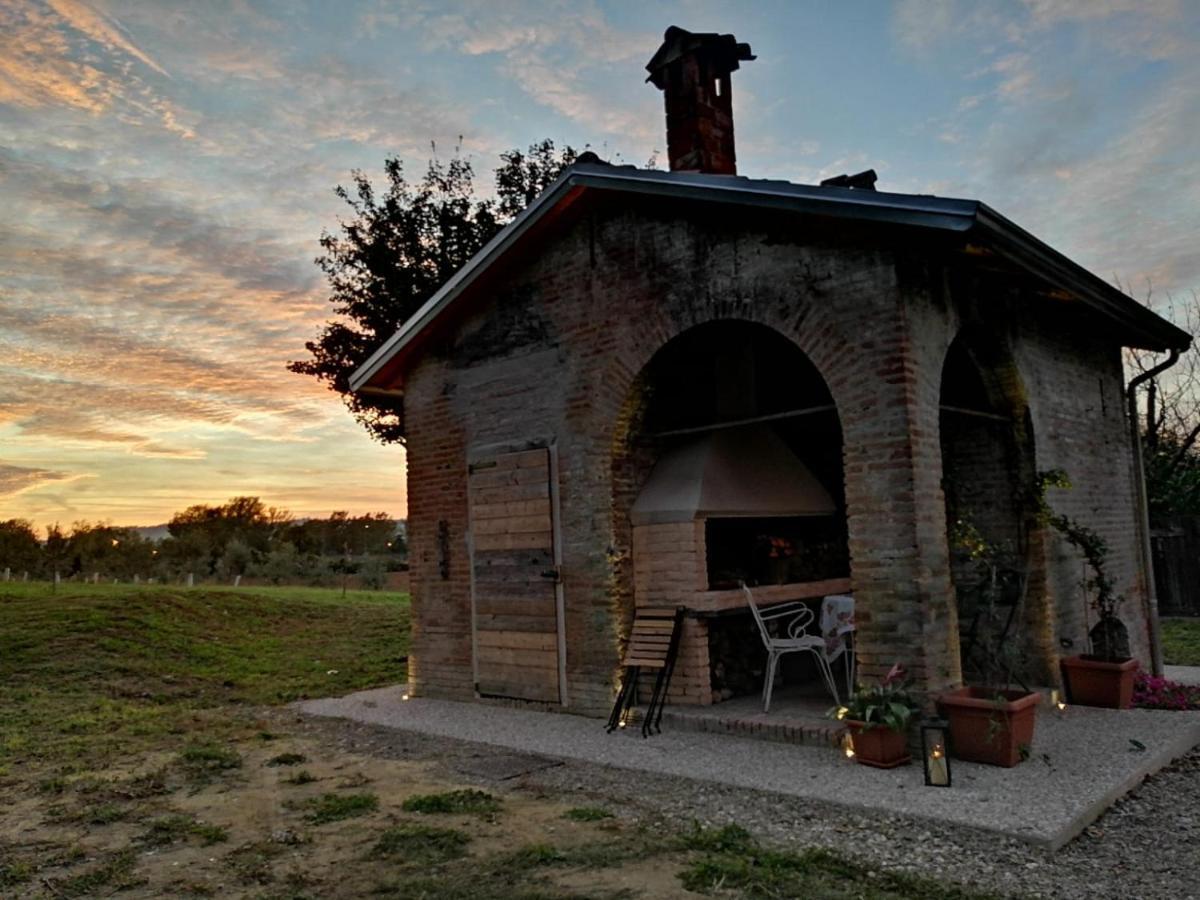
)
(465, 801)
(888, 703)
(287, 759)
(587, 814)
(1109, 637)
(208, 758)
(335, 807)
(420, 845)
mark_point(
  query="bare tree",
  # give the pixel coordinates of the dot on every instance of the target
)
(1169, 406)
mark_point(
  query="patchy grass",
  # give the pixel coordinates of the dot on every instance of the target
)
(136, 705)
(287, 759)
(115, 872)
(104, 814)
(478, 803)
(1181, 642)
(252, 863)
(14, 873)
(209, 759)
(420, 845)
(176, 828)
(335, 807)
(730, 860)
(96, 671)
(587, 814)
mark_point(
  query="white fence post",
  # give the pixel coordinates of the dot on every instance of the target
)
(191, 580)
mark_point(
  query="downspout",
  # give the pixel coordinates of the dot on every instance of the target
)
(1150, 597)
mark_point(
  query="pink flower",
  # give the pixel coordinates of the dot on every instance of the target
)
(895, 673)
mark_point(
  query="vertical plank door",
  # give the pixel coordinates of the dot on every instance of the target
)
(514, 576)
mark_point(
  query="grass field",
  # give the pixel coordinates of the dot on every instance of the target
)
(139, 758)
(1181, 642)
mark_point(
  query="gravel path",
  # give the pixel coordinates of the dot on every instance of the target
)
(1147, 846)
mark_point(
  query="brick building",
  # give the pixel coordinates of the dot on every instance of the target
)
(652, 385)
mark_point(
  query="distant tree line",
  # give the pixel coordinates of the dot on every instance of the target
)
(243, 537)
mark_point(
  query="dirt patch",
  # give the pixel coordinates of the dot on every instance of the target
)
(170, 827)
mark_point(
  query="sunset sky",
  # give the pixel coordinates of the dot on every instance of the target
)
(167, 168)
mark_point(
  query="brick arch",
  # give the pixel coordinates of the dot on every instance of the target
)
(994, 491)
(804, 325)
(625, 380)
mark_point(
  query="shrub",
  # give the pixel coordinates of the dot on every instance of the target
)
(1152, 692)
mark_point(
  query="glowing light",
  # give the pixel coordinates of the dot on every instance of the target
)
(1057, 699)
(115, 542)
(404, 696)
(842, 712)
(848, 745)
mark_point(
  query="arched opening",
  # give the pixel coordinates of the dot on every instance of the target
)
(988, 478)
(728, 468)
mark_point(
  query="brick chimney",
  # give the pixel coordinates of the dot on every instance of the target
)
(692, 71)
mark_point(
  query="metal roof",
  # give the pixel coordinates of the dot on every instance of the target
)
(967, 217)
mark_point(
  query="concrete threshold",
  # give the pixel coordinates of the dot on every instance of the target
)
(1082, 760)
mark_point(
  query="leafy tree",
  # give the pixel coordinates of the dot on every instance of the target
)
(20, 549)
(54, 551)
(201, 533)
(398, 248)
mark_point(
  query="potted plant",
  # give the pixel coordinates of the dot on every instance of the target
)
(877, 719)
(991, 722)
(1104, 677)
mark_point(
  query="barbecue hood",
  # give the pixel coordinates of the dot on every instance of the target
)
(730, 473)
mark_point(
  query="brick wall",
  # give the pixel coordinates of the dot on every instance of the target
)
(1076, 390)
(555, 353)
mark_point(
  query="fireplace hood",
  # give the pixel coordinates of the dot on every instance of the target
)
(730, 473)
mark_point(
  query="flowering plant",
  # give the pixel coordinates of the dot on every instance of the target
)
(887, 704)
(1151, 692)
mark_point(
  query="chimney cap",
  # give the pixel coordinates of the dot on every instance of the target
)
(723, 50)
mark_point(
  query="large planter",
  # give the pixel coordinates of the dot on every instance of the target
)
(990, 725)
(1090, 681)
(878, 746)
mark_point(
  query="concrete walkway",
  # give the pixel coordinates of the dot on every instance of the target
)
(1182, 674)
(1083, 759)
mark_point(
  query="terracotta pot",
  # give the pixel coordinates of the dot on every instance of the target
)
(989, 725)
(879, 746)
(1090, 681)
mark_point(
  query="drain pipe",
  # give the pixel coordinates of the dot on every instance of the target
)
(1150, 596)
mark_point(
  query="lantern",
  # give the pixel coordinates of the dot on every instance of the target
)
(935, 746)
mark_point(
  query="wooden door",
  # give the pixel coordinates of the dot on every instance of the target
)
(515, 591)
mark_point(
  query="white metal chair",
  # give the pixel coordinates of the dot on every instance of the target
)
(800, 617)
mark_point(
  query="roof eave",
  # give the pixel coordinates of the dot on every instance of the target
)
(936, 213)
(365, 374)
(1010, 240)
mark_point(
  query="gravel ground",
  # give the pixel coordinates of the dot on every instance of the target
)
(1081, 760)
(1146, 846)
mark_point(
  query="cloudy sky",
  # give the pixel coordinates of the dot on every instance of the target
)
(167, 168)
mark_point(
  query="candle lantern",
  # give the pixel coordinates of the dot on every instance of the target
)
(935, 747)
